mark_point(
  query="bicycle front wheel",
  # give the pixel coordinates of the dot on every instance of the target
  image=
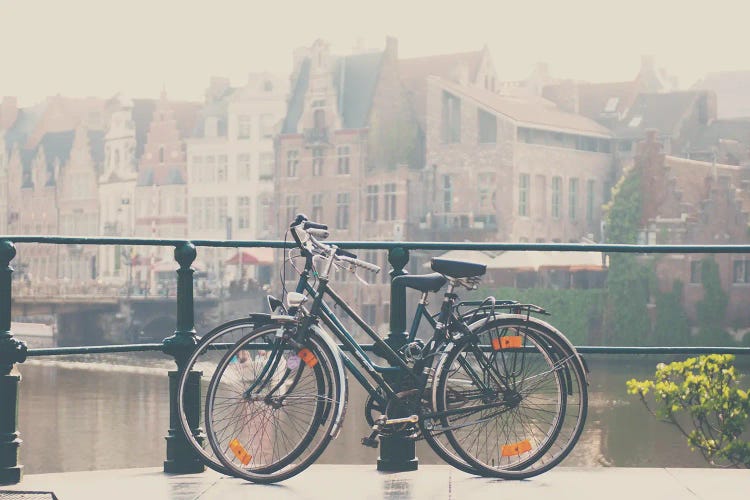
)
(270, 408)
(204, 359)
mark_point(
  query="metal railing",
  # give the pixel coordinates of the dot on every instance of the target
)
(179, 345)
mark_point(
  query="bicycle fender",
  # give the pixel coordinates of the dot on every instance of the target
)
(343, 396)
(561, 337)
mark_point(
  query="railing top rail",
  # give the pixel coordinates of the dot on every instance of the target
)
(388, 245)
(586, 349)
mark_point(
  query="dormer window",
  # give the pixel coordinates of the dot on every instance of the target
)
(611, 105)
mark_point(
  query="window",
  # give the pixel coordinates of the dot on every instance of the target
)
(265, 216)
(741, 271)
(266, 126)
(292, 161)
(695, 271)
(342, 211)
(209, 213)
(390, 202)
(267, 86)
(161, 154)
(343, 154)
(487, 127)
(486, 185)
(291, 207)
(572, 198)
(317, 162)
(209, 172)
(319, 119)
(556, 196)
(590, 200)
(243, 212)
(221, 219)
(372, 203)
(243, 167)
(265, 168)
(243, 127)
(447, 194)
(451, 118)
(221, 168)
(196, 167)
(523, 195)
(317, 207)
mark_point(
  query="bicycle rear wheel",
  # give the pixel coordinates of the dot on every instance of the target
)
(502, 396)
(270, 408)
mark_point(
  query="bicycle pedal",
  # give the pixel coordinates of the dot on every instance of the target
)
(370, 442)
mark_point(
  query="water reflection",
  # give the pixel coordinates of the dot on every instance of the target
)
(107, 416)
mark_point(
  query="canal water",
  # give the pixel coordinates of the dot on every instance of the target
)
(110, 412)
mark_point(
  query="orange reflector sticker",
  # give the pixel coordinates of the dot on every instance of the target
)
(507, 343)
(510, 450)
(308, 357)
(239, 451)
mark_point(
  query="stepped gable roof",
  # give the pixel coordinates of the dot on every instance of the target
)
(354, 77)
(663, 112)
(529, 111)
(415, 71)
(161, 175)
(732, 90)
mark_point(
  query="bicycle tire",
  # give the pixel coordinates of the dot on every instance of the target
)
(270, 373)
(571, 411)
(204, 358)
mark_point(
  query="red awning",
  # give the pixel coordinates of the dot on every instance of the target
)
(251, 256)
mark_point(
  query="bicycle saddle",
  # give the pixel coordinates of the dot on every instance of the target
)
(457, 268)
(422, 282)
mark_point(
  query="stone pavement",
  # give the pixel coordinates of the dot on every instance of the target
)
(429, 482)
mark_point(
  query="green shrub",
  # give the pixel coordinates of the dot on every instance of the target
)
(705, 393)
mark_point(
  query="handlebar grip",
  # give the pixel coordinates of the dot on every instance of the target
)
(341, 251)
(321, 234)
(314, 225)
(370, 267)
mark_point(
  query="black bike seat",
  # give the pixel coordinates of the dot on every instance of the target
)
(457, 268)
(422, 282)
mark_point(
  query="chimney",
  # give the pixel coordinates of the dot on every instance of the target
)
(8, 112)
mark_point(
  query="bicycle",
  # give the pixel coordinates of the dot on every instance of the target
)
(403, 395)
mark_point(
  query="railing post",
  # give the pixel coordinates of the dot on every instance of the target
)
(11, 351)
(397, 452)
(180, 456)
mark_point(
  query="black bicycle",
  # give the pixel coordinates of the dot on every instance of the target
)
(495, 391)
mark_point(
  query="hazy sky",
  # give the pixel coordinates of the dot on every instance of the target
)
(100, 47)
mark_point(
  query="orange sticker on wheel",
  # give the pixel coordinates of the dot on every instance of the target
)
(510, 450)
(507, 343)
(308, 357)
(239, 451)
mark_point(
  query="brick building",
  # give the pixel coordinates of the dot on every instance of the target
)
(509, 168)
(347, 145)
(161, 187)
(693, 202)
